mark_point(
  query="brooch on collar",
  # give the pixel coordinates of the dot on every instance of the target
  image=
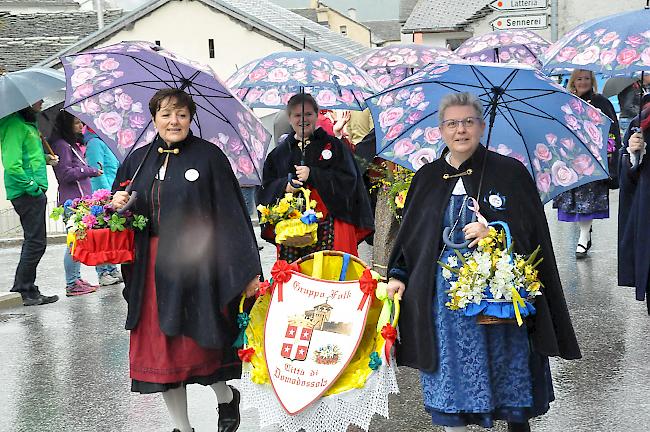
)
(173, 151)
(465, 173)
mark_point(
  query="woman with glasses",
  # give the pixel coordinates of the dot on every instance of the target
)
(473, 373)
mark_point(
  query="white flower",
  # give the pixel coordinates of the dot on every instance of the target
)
(446, 274)
(452, 261)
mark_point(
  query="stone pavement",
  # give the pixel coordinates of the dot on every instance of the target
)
(65, 366)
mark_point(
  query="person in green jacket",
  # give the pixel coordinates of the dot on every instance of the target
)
(25, 178)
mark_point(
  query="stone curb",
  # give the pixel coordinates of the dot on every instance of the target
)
(13, 242)
(10, 300)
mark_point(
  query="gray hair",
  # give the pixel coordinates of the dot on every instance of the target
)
(459, 99)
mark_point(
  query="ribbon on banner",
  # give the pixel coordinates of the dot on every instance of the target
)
(281, 273)
(367, 284)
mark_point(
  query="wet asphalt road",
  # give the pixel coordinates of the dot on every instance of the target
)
(64, 367)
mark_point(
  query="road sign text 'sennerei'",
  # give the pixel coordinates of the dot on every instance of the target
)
(518, 4)
(538, 21)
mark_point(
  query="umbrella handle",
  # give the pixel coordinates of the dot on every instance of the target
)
(446, 239)
(291, 179)
(132, 197)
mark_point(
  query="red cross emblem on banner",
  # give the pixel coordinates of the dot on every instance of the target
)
(296, 342)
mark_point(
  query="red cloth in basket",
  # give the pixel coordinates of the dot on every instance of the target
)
(103, 246)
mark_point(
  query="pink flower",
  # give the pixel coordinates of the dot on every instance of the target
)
(257, 74)
(109, 64)
(89, 220)
(385, 100)
(594, 115)
(563, 175)
(583, 165)
(416, 99)
(422, 106)
(504, 55)
(583, 37)
(320, 75)
(551, 139)
(627, 56)
(243, 132)
(609, 37)
(105, 83)
(126, 138)
(254, 94)
(340, 66)
(117, 74)
(572, 122)
(389, 117)
(109, 123)
(411, 59)
(645, 56)
(503, 149)
(543, 153)
(245, 165)
(83, 60)
(258, 147)
(384, 82)
(300, 76)
(278, 75)
(403, 94)
(123, 101)
(101, 195)
(432, 135)
(347, 97)
(136, 107)
(84, 90)
(635, 40)
(271, 97)
(394, 60)
(82, 75)
(326, 98)
(414, 117)
(568, 143)
(235, 145)
(588, 56)
(89, 106)
(594, 133)
(422, 157)
(521, 158)
(137, 120)
(566, 53)
(394, 131)
(404, 147)
(543, 182)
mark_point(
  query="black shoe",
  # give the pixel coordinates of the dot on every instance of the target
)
(518, 427)
(229, 413)
(38, 299)
(583, 253)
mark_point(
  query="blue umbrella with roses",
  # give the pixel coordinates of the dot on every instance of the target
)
(561, 139)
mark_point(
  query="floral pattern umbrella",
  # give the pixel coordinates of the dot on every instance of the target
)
(561, 139)
(612, 45)
(334, 82)
(109, 89)
(391, 64)
(505, 46)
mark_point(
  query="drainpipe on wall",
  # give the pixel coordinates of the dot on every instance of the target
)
(99, 7)
(554, 17)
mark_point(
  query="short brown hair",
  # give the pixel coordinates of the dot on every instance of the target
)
(302, 98)
(182, 100)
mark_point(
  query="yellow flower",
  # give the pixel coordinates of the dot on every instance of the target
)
(313, 204)
(400, 199)
(282, 207)
(295, 214)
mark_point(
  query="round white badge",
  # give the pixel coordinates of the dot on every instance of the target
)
(327, 154)
(191, 175)
(495, 201)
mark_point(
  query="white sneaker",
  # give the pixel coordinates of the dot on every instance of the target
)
(116, 274)
(108, 279)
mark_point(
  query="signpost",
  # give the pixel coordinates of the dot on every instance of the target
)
(532, 21)
(518, 5)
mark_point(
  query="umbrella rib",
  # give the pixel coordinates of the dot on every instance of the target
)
(225, 94)
(135, 83)
(521, 135)
(141, 62)
(169, 70)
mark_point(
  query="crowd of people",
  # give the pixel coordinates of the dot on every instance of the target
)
(199, 253)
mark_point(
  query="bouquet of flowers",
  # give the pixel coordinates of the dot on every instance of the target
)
(294, 218)
(492, 280)
(96, 232)
(396, 183)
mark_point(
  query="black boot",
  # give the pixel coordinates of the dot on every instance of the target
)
(229, 413)
(518, 427)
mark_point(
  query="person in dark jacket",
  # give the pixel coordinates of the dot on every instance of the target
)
(25, 179)
(73, 174)
(473, 373)
(197, 257)
(590, 201)
(629, 99)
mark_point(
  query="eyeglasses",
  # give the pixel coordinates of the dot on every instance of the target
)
(467, 123)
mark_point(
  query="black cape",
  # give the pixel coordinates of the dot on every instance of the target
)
(419, 244)
(337, 179)
(633, 216)
(602, 103)
(207, 252)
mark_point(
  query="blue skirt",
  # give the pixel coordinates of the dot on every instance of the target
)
(485, 372)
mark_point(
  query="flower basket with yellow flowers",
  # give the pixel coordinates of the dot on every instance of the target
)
(294, 219)
(396, 183)
(491, 282)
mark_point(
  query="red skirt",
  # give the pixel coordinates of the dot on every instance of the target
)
(158, 358)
